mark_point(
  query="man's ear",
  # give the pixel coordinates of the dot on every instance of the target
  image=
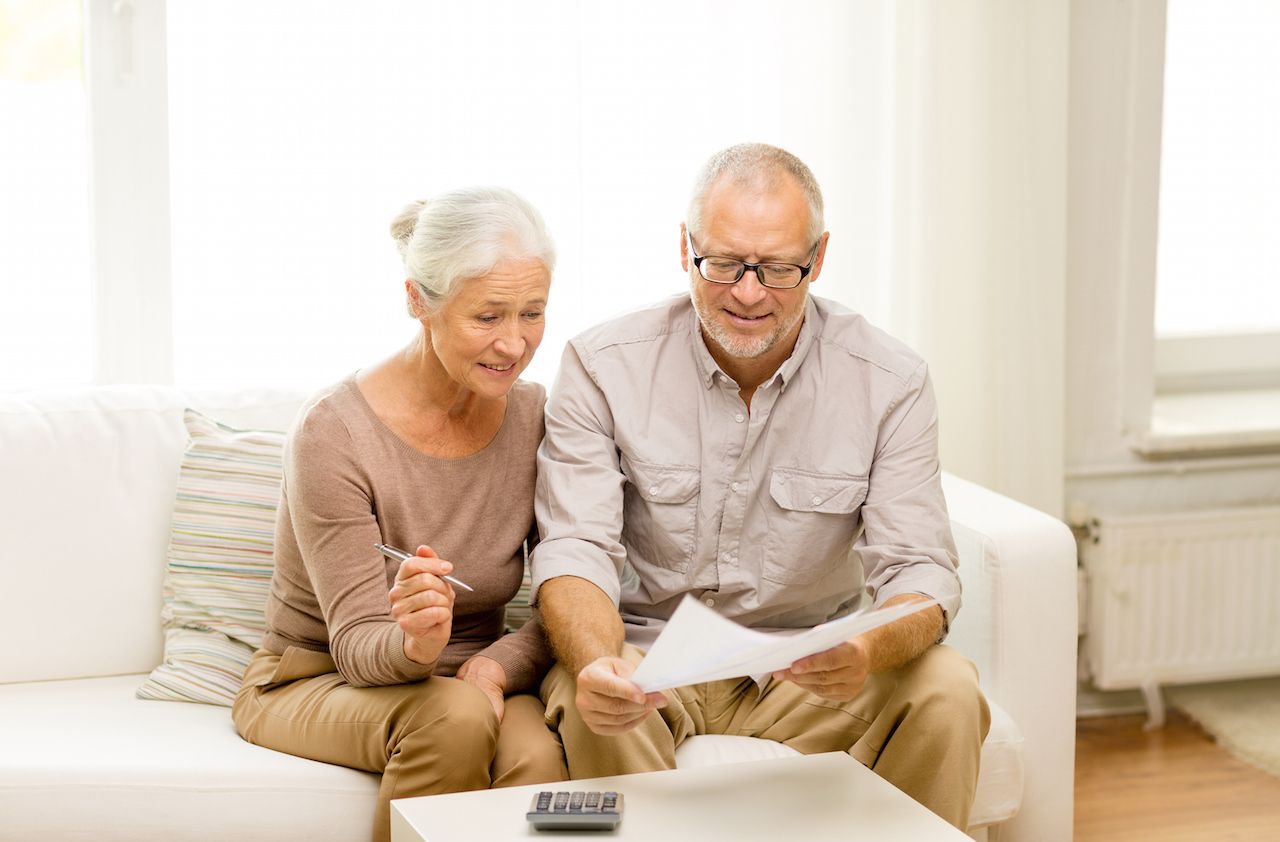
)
(822, 253)
(684, 249)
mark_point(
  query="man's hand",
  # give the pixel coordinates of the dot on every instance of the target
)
(489, 678)
(838, 673)
(422, 604)
(609, 702)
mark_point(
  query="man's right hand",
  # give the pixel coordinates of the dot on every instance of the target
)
(610, 703)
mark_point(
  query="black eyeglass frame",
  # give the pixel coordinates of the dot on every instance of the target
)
(743, 266)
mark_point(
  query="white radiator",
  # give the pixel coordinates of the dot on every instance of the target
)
(1180, 598)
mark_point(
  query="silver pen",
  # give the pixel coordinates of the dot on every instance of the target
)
(401, 555)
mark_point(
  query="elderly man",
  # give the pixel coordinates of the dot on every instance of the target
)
(773, 455)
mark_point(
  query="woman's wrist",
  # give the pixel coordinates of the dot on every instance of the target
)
(420, 652)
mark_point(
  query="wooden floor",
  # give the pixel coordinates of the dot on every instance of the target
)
(1170, 785)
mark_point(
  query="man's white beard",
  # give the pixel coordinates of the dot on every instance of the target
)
(737, 345)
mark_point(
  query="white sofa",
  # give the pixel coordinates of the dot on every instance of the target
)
(87, 481)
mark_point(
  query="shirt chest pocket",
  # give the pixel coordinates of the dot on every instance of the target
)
(812, 523)
(660, 514)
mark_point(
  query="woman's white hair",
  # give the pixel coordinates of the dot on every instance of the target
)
(755, 165)
(464, 234)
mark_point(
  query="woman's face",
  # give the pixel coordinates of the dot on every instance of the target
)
(486, 332)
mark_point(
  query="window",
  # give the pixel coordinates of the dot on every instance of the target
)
(46, 320)
(1218, 256)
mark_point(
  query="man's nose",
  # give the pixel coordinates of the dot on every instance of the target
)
(748, 289)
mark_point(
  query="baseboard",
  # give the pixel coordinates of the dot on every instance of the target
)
(1091, 702)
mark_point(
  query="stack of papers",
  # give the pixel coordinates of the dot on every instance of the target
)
(699, 645)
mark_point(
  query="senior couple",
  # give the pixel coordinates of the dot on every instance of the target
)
(762, 450)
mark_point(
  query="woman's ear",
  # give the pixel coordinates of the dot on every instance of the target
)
(413, 300)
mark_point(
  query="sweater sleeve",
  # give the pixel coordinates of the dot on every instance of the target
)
(525, 655)
(331, 510)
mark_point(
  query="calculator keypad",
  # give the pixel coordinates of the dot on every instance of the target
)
(575, 810)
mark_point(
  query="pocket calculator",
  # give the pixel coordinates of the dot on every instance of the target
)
(575, 810)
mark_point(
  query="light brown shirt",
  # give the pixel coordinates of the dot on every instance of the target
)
(349, 481)
(655, 481)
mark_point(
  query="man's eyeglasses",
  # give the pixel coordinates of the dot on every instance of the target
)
(728, 270)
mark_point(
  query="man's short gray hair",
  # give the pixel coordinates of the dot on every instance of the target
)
(755, 165)
(464, 234)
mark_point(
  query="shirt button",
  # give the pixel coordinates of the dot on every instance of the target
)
(710, 602)
(734, 486)
(724, 557)
(817, 500)
(739, 418)
(653, 489)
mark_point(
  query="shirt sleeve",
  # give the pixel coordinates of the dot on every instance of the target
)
(906, 545)
(331, 511)
(578, 503)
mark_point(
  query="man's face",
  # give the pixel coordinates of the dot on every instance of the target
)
(747, 320)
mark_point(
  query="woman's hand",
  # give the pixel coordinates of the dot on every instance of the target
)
(422, 604)
(489, 677)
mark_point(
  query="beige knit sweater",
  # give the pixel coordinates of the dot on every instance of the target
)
(349, 481)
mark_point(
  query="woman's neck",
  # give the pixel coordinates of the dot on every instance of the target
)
(413, 394)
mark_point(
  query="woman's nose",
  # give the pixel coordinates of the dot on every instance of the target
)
(510, 340)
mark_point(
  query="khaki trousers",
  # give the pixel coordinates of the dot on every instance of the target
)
(433, 736)
(920, 727)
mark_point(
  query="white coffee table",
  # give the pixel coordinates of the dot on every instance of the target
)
(787, 799)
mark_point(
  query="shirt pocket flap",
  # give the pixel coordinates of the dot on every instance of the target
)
(804, 491)
(662, 483)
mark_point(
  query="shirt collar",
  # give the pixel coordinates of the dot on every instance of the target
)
(708, 368)
(808, 333)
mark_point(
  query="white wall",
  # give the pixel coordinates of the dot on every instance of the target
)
(599, 113)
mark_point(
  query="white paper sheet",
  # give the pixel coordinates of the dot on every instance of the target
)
(699, 645)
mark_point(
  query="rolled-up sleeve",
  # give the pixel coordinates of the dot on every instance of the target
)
(906, 544)
(579, 493)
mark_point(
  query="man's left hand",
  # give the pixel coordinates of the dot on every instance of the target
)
(838, 673)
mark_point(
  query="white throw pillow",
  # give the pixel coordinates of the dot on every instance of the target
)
(219, 563)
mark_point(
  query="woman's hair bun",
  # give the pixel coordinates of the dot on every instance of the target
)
(404, 223)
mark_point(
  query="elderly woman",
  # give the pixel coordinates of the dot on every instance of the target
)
(385, 665)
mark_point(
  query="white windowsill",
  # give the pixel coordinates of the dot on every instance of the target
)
(1211, 423)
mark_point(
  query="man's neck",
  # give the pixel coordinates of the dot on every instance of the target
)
(750, 372)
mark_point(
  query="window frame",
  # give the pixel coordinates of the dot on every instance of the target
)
(1154, 370)
(126, 73)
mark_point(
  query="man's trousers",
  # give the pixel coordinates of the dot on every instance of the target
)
(920, 727)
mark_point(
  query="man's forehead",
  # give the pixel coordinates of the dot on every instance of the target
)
(770, 217)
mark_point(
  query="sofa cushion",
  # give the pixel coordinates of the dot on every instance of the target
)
(85, 760)
(219, 561)
(999, 781)
(86, 491)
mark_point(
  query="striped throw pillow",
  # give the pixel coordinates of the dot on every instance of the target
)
(219, 563)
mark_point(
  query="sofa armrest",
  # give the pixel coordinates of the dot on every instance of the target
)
(1018, 624)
